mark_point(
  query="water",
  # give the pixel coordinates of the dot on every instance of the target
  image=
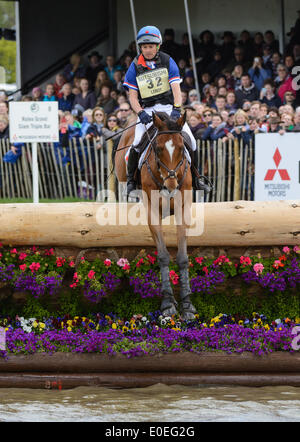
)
(158, 403)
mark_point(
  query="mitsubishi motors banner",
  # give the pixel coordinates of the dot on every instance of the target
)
(277, 167)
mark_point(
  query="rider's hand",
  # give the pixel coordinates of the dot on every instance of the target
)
(175, 114)
(144, 117)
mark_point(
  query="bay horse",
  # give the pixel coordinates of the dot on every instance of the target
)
(165, 169)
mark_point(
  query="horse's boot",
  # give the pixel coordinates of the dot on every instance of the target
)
(132, 165)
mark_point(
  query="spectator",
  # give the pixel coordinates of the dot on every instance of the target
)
(258, 44)
(270, 40)
(112, 127)
(216, 129)
(184, 97)
(58, 84)
(188, 81)
(258, 74)
(49, 93)
(193, 96)
(122, 98)
(102, 78)
(289, 62)
(94, 131)
(285, 83)
(184, 48)
(105, 100)
(207, 115)
(125, 114)
(169, 46)
(231, 102)
(241, 127)
(3, 95)
(216, 65)
(198, 107)
(4, 128)
(289, 99)
(268, 95)
(26, 98)
(211, 95)
(273, 112)
(206, 47)
(111, 67)
(4, 108)
(87, 119)
(263, 113)
(275, 61)
(205, 80)
(237, 75)
(65, 103)
(196, 125)
(37, 94)
(246, 43)
(254, 127)
(246, 91)
(75, 68)
(274, 126)
(227, 48)
(183, 68)
(94, 67)
(118, 81)
(297, 121)
(220, 103)
(240, 59)
(86, 98)
(287, 122)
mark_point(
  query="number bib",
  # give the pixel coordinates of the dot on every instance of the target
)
(153, 83)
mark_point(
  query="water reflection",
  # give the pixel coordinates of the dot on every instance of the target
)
(156, 403)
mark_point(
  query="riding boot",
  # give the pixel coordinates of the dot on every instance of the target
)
(131, 169)
(198, 182)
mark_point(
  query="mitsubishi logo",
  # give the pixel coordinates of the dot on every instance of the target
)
(282, 172)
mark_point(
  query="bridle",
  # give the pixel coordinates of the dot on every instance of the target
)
(172, 173)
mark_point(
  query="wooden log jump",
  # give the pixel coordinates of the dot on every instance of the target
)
(85, 225)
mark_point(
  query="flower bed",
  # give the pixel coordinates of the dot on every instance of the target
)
(63, 302)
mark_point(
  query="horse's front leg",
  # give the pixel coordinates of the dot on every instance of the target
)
(169, 305)
(187, 309)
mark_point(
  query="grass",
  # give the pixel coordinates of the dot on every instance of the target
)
(43, 200)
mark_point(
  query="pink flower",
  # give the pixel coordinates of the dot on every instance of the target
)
(34, 266)
(13, 251)
(199, 259)
(75, 276)
(91, 274)
(22, 256)
(0, 255)
(60, 262)
(258, 268)
(222, 259)
(49, 252)
(1, 245)
(205, 269)
(174, 277)
(72, 264)
(122, 262)
(140, 262)
(245, 261)
(73, 285)
(107, 262)
(23, 267)
(286, 250)
(126, 267)
(296, 249)
(151, 259)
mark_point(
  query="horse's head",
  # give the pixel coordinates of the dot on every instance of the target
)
(169, 149)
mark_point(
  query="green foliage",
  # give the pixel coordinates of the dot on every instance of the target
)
(8, 59)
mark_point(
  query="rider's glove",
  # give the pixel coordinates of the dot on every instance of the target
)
(176, 113)
(144, 117)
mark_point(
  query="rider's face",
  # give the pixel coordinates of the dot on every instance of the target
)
(149, 50)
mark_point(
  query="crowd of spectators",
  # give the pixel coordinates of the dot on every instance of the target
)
(246, 86)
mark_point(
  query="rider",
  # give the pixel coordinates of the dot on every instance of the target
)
(153, 82)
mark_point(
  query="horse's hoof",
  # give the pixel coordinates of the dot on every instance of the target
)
(188, 316)
(168, 306)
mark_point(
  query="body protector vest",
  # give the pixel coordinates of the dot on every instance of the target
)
(154, 84)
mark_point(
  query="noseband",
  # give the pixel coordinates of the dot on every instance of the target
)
(172, 173)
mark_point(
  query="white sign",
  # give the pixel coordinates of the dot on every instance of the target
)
(33, 121)
(277, 167)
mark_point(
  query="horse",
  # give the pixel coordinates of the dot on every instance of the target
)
(165, 169)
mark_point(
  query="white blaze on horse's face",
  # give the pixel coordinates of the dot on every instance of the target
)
(170, 147)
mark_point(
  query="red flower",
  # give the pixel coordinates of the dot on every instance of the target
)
(174, 277)
(34, 266)
(91, 274)
(199, 259)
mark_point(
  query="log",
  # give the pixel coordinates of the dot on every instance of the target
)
(85, 225)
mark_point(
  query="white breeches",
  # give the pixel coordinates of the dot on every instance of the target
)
(140, 128)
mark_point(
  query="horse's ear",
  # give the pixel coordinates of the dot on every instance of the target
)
(181, 120)
(157, 121)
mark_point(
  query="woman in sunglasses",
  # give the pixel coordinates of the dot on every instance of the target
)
(112, 126)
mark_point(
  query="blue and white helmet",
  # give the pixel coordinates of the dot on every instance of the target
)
(149, 34)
